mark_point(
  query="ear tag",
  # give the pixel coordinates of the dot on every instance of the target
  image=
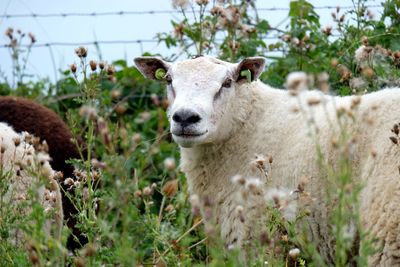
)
(247, 74)
(160, 74)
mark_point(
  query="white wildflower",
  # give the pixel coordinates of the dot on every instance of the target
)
(180, 4)
(254, 185)
(357, 83)
(169, 164)
(284, 201)
(294, 253)
(362, 55)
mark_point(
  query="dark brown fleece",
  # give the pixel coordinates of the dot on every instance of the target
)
(25, 115)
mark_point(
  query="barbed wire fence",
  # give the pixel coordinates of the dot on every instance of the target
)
(130, 13)
(140, 42)
(148, 12)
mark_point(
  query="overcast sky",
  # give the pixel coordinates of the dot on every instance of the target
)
(106, 28)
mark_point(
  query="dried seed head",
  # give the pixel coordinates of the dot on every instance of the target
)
(102, 64)
(137, 193)
(85, 194)
(14, 43)
(79, 262)
(88, 112)
(260, 160)
(147, 191)
(156, 101)
(77, 184)
(394, 140)
(286, 38)
(367, 72)
(9, 32)
(302, 183)
(136, 138)
(296, 81)
(202, 2)
(216, 10)
(110, 70)
(239, 212)
(169, 208)
(233, 45)
(93, 65)
(270, 159)
(239, 180)
(17, 141)
(357, 83)
(254, 185)
(327, 30)
(81, 52)
(98, 164)
(121, 109)
(355, 101)
(170, 188)
(344, 73)
(115, 94)
(165, 103)
(153, 186)
(179, 30)
(364, 40)
(73, 68)
(58, 176)
(34, 258)
(169, 164)
(334, 62)
(294, 253)
(89, 250)
(370, 14)
(313, 101)
(180, 4)
(32, 37)
(69, 181)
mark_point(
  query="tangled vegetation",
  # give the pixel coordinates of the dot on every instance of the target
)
(140, 212)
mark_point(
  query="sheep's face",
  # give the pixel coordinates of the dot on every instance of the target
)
(201, 92)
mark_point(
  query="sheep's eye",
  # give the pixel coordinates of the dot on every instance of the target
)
(227, 83)
(168, 79)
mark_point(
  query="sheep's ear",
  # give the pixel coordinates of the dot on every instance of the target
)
(152, 67)
(249, 69)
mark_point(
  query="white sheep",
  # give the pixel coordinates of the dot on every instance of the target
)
(23, 169)
(220, 120)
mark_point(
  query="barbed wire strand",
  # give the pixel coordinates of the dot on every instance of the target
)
(138, 41)
(147, 12)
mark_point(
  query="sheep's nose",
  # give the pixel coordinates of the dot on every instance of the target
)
(186, 117)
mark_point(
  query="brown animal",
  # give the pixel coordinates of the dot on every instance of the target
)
(25, 115)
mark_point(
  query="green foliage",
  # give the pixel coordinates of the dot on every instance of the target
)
(128, 216)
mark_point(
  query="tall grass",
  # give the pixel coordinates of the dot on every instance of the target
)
(132, 200)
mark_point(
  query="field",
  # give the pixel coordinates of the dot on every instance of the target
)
(133, 202)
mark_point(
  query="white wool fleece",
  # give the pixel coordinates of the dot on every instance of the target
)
(18, 159)
(250, 118)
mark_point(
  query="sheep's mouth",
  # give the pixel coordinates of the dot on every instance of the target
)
(188, 134)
